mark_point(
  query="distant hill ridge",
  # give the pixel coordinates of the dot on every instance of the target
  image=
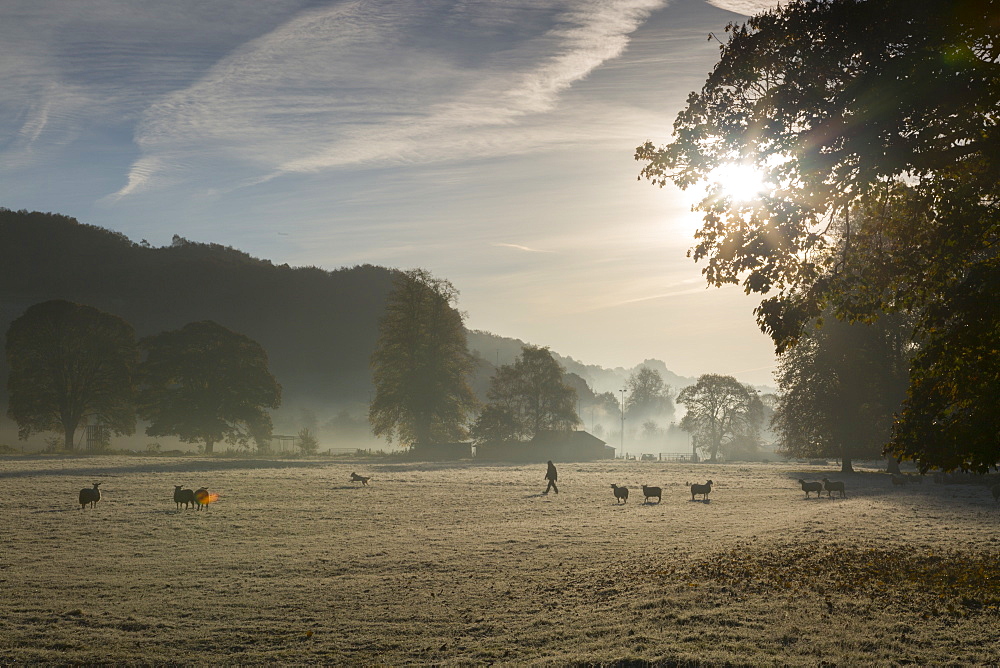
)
(319, 327)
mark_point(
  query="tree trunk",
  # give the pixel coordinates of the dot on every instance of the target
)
(209, 445)
(70, 432)
(892, 466)
(845, 465)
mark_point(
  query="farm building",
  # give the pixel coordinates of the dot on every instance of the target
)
(564, 446)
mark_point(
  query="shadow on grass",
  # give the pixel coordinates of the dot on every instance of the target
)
(447, 465)
(187, 466)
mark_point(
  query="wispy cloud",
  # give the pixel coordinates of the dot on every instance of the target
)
(87, 69)
(523, 248)
(744, 7)
(376, 83)
(680, 291)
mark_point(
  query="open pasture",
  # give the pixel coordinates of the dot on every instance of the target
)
(469, 564)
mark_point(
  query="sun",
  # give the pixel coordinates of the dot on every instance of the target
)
(739, 182)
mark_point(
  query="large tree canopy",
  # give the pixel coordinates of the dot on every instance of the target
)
(724, 415)
(70, 363)
(840, 386)
(648, 396)
(421, 364)
(526, 398)
(875, 128)
(204, 382)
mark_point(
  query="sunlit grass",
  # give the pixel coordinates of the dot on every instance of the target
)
(457, 563)
(923, 579)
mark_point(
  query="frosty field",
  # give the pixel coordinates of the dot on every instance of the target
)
(469, 564)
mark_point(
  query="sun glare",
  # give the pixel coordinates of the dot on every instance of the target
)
(738, 182)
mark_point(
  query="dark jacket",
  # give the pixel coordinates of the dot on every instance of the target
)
(551, 474)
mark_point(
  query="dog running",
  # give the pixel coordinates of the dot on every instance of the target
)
(360, 478)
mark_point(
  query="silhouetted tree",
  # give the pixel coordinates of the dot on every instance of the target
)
(308, 443)
(421, 364)
(70, 363)
(840, 387)
(496, 423)
(951, 416)
(648, 396)
(875, 125)
(651, 432)
(205, 383)
(722, 414)
(527, 397)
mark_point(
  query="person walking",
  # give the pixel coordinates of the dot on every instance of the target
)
(551, 476)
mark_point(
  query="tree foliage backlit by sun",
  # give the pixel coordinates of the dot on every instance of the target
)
(876, 126)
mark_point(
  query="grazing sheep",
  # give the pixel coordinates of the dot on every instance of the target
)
(91, 496)
(832, 486)
(360, 478)
(811, 486)
(201, 498)
(700, 489)
(185, 496)
(650, 492)
(621, 493)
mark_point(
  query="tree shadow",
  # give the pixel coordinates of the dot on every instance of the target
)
(186, 466)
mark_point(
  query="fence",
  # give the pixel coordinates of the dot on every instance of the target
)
(676, 457)
(349, 451)
(661, 457)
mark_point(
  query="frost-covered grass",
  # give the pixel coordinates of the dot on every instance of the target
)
(467, 564)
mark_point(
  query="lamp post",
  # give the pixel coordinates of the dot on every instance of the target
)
(623, 422)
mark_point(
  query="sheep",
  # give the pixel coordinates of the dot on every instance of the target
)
(811, 486)
(996, 492)
(621, 493)
(185, 496)
(832, 486)
(201, 498)
(91, 496)
(700, 489)
(650, 492)
(899, 479)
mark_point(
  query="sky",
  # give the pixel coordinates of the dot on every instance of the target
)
(490, 142)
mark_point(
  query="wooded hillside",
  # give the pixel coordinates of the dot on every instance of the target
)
(318, 327)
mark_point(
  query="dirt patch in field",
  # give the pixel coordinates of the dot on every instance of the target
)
(466, 564)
